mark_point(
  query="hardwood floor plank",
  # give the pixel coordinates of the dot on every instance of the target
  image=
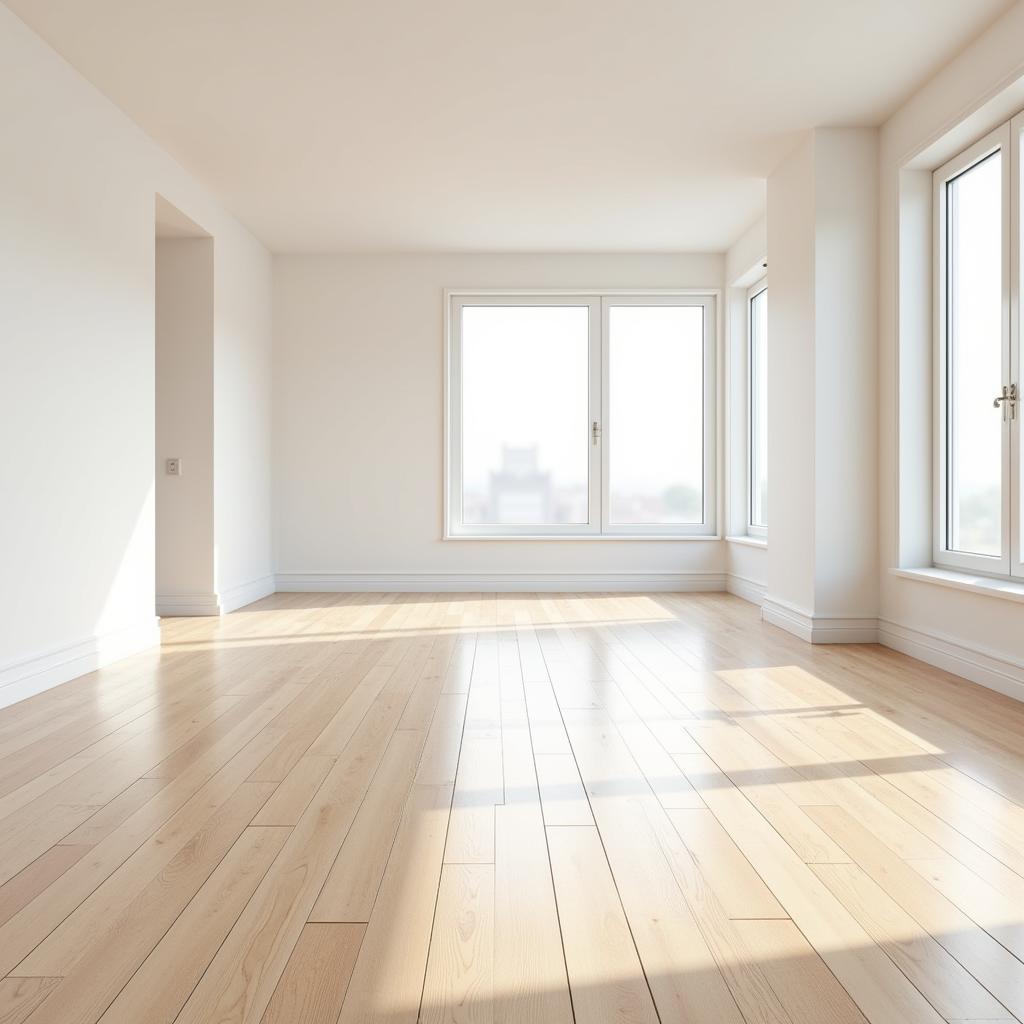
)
(387, 982)
(605, 976)
(351, 887)
(459, 985)
(735, 883)
(985, 958)
(479, 788)
(314, 983)
(97, 955)
(20, 997)
(981, 902)
(805, 986)
(118, 810)
(693, 958)
(296, 790)
(767, 783)
(240, 981)
(530, 978)
(206, 784)
(881, 991)
(25, 886)
(563, 799)
(943, 981)
(159, 988)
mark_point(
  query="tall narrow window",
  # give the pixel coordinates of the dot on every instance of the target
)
(525, 409)
(580, 415)
(655, 418)
(976, 405)
(757, 320)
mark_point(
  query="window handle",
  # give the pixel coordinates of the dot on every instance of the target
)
(595, 432)
(1007, 398)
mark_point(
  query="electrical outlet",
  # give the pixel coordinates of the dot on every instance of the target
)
(174, 467)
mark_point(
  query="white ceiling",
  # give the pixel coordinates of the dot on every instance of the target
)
(540, 125)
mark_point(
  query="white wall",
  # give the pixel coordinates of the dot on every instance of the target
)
(977, 636)
(846, 368)
(184, 426)
(359, 401)
(243, 413)
(822, 326)
(791, 369)
(77, 187)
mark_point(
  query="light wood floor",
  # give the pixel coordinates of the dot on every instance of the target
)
(507, 810)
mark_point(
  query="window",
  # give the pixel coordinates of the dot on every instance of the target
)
(757, 409)
(978, 461)
(581, 415)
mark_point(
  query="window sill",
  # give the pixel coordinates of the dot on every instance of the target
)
(750, 542)
(583, 536)
(984, 585)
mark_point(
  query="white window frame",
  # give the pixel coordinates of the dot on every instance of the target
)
(1009, 560)
(599, 305)
(753, 291)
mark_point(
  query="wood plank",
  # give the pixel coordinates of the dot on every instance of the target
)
(605, 976)
(96, 971)
(880, 990)
(118, 810)
(459, 985)
(25, 886)
(206, 783)
(738, 887)
(767, 783)
(530, 979)
(142, 898)
(981, 902)
(941, 978)
(387, 982)
(694, 960)
(245, 972)
(158, 989)
(805, 986)
(351, 887)
(293, 795)
(479, 788)
(314, 982)
(985, 958)
(563, 799)
(20, 997)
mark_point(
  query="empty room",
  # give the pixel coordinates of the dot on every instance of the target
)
(511, 513)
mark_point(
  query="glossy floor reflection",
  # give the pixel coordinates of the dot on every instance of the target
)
(510, 808)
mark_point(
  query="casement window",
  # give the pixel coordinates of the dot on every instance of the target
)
(978, 504)
(757, 409)
(580, 415)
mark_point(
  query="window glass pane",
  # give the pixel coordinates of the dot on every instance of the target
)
(655, 424)
(525, 415)
(974, 358)
(759, 409)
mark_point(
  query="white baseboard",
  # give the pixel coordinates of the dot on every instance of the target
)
(232, 598)
(748, 589)
(187, 604)
(988, 668)
(29, 676)
(819, 629)
(503, 582)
